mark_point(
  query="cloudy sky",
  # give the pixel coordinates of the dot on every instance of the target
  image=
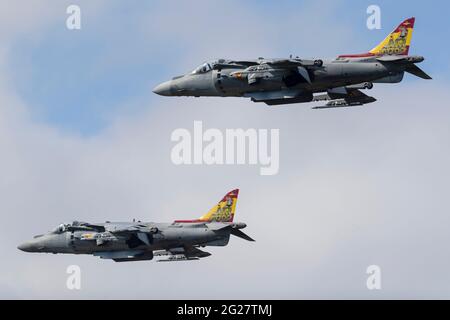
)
(82, 137)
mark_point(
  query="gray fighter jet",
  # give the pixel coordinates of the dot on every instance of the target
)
(135, 241)
(295, 80)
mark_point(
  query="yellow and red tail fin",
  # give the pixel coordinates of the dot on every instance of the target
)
(221, 212)
(396, 43)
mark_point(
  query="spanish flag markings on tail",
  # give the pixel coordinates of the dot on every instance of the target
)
(223, 211)
(396, 43)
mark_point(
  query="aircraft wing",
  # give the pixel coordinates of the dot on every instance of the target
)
(351, 98)
(246, 63)
(137, 234)
(280, 63)
(126, 229)
(283, 63)
(226, 64)
(292, 63)
(84, 226)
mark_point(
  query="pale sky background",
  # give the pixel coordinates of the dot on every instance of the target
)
(82, 137)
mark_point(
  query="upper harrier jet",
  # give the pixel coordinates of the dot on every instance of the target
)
(294, 80)
(134, 241)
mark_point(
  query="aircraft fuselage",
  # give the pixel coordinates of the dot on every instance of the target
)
(224, 82)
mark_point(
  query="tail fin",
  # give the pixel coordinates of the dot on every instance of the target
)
(224, 210)
(221, 212)
(398, 41)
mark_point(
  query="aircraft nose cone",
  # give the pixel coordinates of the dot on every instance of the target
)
(163, 89)
(26, 247)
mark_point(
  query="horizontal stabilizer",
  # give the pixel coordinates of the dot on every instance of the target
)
(240, 234)
(415, 70)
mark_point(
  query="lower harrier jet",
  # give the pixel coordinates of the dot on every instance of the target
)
(134, 241)
(295, 80)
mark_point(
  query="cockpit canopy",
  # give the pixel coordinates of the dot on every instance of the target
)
(204, 68)
(60, 229)
(223, 63)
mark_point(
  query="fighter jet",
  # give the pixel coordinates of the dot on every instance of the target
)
(337, 81)
(136, 241)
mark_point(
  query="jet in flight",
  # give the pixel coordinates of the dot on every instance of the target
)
(337, 81)
(135, 241)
